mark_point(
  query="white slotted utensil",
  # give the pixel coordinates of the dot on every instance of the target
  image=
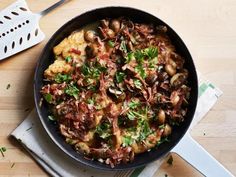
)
(19, 28)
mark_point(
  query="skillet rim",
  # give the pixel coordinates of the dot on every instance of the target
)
(99, 165)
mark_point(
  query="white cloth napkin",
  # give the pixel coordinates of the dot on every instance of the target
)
(33, 137)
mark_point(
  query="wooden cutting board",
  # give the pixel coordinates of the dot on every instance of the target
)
(207, 27)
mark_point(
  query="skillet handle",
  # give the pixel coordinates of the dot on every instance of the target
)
(199, 158)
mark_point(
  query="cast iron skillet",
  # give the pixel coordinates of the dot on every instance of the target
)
(47, 58)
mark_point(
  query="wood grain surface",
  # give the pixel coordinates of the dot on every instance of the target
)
(208, 29)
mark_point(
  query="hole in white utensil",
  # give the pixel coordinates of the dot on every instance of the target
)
(7, 17)
(1, 22)
(14, 13)
(15, 27)
(3, 34)
(13, 45)
(12, 30)
(23, 9)
(27, 21)
(36, 32)
(28, 37)
(19, 26)
(5, 49)
(20, 41)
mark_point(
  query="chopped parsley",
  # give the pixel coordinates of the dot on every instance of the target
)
(139, 69)
(104, 130)
(111, 44)
(91, 101)
(48, 97)
(69, 141)
(137, 83)
(68, 59)
(145, 130)
(2, 150)
(161, 126)
(60, 78)
(162, 141)
(72, 90)
(123, 47)
(12, 165)
(139, 56)
(134, 104)
(127, 141)
(151, 52)
(8, 86)
(92, 72)
(131, 115)
(129, 57)
(120, 77)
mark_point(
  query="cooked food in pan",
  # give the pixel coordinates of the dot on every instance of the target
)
(117, 89)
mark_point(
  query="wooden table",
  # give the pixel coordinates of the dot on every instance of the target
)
(207, 27)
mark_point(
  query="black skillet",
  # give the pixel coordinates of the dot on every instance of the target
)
(80, 21)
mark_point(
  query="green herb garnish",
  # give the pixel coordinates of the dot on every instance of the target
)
(111, 44)
(138, 83)
(127, 141)
(12, 165)
(48, 97)
(161, 126)
(151, 52)
(72, 90)
(2, 150)
(92, 72)
(120, 77)
(60, 78)
(8, 86)
(134, 104)
(138, 54)
(131, 115)
(145, 130)
(162, 141)
(129, 57)
(91, 101)
(139, 69)
(104, 130)
(123, 47)
(68, 59)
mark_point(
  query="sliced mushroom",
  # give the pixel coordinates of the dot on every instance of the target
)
(115, 25)
(161, 29)
(161, 116)
(110, 33)
(151, 79)
(170, 69)
(174, 98)
(91, 50)
(178, 79)
(105, 23)
(167, 130)
(115, 91)
(119, 95)
(89, 36)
